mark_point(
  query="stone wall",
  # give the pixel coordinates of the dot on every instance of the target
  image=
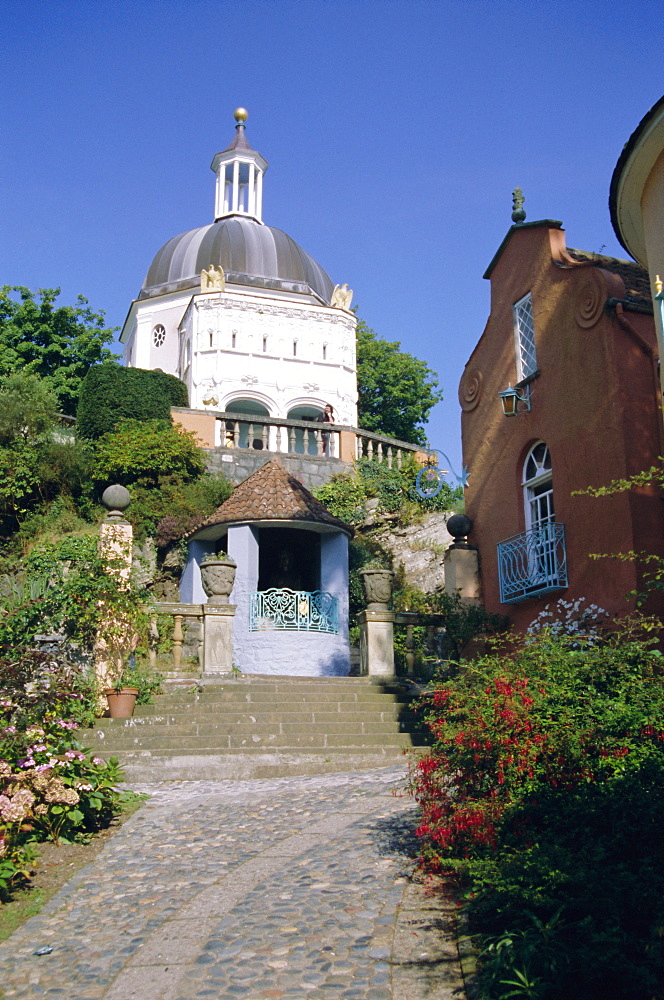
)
(420, 549)
(238, 463)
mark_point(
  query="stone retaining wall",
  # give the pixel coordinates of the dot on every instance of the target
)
(236, 464)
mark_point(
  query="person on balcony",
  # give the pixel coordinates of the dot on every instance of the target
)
(326, 417)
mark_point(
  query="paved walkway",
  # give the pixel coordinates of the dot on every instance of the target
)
(293, 888)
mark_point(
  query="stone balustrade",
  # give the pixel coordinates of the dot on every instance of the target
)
(183, 615)
(251, 432)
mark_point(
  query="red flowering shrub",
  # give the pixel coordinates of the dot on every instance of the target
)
(523, 794)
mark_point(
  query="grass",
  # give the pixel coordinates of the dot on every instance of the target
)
(54, 865)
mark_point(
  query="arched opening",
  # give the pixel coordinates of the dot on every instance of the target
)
(246, 433)
(310, 445)
(540, 517)
(538, 486)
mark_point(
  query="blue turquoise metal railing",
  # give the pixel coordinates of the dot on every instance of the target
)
(297, 610)
(532, 563)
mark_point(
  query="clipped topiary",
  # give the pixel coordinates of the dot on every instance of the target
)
(110, 393)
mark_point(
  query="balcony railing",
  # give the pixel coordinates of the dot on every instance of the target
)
(297, 610)
(533, 563)
(229, 431)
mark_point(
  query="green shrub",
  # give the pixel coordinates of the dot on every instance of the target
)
(68, 589)
(146, 452)
(110, 393)
(50, 786)
(346, 495)
(544, 793)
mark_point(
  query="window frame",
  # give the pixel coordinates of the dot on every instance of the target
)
(524, 338)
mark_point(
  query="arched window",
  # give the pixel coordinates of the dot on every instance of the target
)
(538, 487)
(245, 433)
(534, 562)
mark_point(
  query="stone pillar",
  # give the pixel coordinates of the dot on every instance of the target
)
(347, 446)
(115, 637)
(218, 638)
(377, 643)
(462, 568)
(462, 573)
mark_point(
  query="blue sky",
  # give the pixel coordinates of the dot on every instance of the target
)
(395, 132)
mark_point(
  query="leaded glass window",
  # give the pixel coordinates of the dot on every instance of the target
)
(524, 332)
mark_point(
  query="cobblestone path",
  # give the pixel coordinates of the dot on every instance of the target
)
(293, 888)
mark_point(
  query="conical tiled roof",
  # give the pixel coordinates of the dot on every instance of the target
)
(271, 494)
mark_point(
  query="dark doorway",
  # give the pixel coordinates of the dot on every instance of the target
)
(288, 558)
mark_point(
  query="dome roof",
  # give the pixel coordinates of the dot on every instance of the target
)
(249, 252)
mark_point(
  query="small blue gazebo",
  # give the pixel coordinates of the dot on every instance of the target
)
(291, 585)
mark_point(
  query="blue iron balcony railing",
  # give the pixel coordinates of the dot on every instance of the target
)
(297, 610)
(532, 563)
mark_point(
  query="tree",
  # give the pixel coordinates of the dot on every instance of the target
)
(28, 408)
(165, 471)
(396, 391)
(36, 464)
(58, 343)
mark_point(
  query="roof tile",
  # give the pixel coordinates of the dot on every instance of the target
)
(271, 494)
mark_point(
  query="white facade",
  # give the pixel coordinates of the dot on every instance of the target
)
(266, 336)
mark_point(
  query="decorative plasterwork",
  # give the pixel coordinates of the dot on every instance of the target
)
(470, 389)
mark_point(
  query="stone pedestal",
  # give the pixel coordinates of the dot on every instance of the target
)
(462, 573)
(218, 638)
(377, 643)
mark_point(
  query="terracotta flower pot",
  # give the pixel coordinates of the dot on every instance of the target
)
(121, 702)
(377, 584)
(218, 577)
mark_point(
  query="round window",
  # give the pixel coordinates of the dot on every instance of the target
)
(158, 335)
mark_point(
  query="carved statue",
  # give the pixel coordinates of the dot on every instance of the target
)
(342, 296)
(214, 279)
(210, 398)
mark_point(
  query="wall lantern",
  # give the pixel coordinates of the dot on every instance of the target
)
(510, 399)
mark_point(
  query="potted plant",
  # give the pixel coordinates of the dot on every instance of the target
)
(377, 582)
(136, 684)
(218, 576)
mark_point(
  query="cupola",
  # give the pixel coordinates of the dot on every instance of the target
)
(239, 170)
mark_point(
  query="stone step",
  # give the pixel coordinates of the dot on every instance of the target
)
(198, 727)
(247, 764)
(204, 702)
(226, 741)
(284, 725)
(252, 716)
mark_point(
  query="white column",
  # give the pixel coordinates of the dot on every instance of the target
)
(236, 184)
(251, 192)
(334, 573)
(243, 547)
(259, 196)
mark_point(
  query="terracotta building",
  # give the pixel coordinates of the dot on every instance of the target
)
(570, 344)
(636, 202)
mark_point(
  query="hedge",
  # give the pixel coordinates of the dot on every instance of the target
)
(110, 392)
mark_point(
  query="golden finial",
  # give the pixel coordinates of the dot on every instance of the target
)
(240, 115)
(658, 285)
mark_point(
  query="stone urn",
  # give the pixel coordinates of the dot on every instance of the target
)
(377, 584)
(218, 577)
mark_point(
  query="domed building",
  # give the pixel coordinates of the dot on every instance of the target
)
(241, 313)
